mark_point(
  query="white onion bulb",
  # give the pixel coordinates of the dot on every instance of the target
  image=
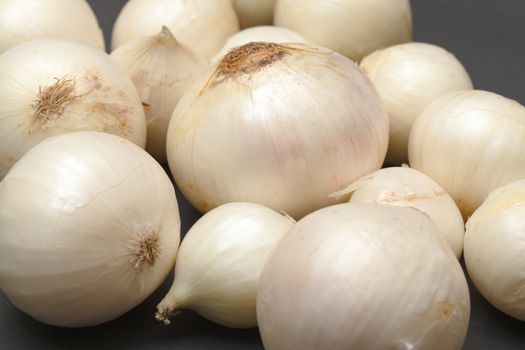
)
(282, 126)
(25, 20)
(259, 34)
(353, 28)
(203, 25)
(90, 228)
(162, 69)
(220, 262)
(494, 246)
(407, 187)
(408, 77)
(363, 276)
(254, 12)
(470, 142)
(50, 87)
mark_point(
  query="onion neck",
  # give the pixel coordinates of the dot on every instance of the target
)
(251, 58)
(167, 308)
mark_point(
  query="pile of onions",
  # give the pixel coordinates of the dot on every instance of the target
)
(220, 263)
(363, 276)
(254, 12)
(470, 142)
(25, 20)
(354, 28)
(405, 187)
(50, 87)
(283, 126)
(259, 34)
(409, 77)
(162, 69)
(203, 25)
(90, 228)
(494, 246)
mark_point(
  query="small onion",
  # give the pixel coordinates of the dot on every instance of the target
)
(353, 28)
(254, 12)
(407, 187)
(203, 25)
(470, 142)
(262, 33)
(50, 87)
(220, 262)
(25, 20)
(90, 228)
(162, 69)
(495, 246)
(282, 126)
(408, 77)
(363, 276)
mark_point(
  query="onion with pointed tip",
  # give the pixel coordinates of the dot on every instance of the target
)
(203, 25)
(162, 69)
(220, 262)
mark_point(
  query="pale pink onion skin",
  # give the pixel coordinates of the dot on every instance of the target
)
(363, 276)
(90, 228)
(470, 142)
(286, 135)
(494, 246)
(353, 28)
(25, 20)
(409, 77)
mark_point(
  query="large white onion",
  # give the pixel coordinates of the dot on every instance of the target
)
(470, 142)
(203, 25)
(254, 12)
(495, 246)
(363, 276)
(162, 69)
(277, 125)
(220, 263)
(89, 228)
(408, 77)
(50, 87)
(406, 187)
(354, 28)
(25, 20)
(262, 34)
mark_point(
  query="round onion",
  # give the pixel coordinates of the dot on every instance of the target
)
(50, 87)
(409, 77)
(25, 20)
(495, 246)
(282, 126)
(470, 142)
(254, 12)
(405, 187)
(90, 228)
(363, 276)
(354, 28)
(203, 25)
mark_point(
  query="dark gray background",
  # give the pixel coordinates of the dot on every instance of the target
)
(488, 36)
